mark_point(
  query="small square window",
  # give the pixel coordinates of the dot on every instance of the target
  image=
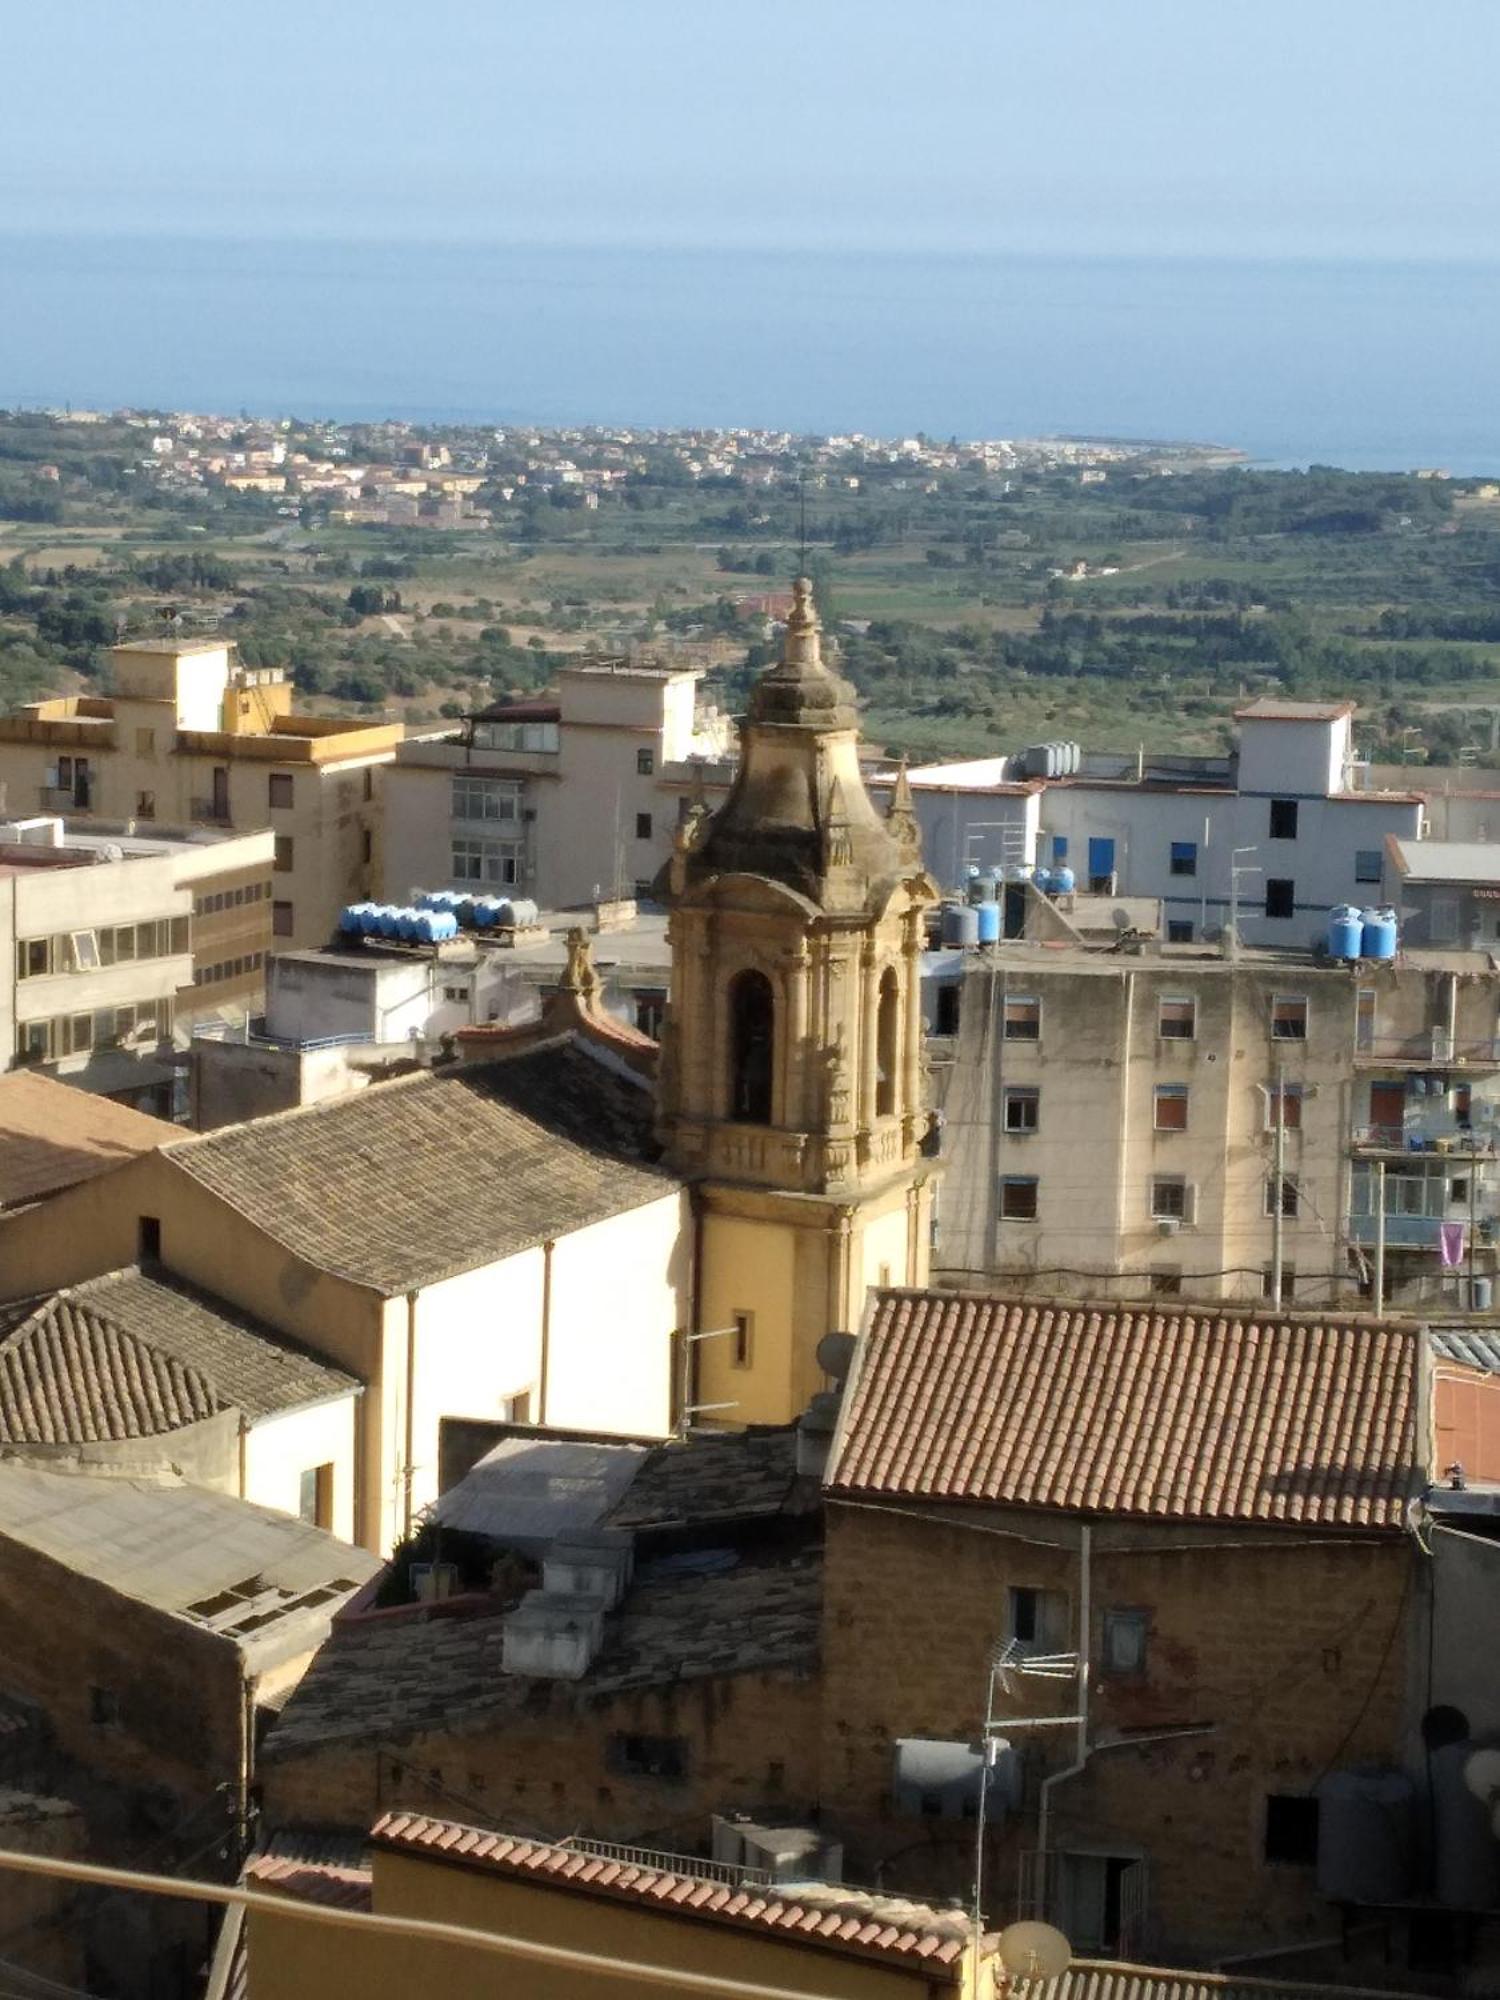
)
(1184, 857)
(1179, 930)
(645, 763)
(1036, 1619)
(1125, 1640)
(1169, 1199)
(1165, 1284)
(1021, 1109)
(1018, 1198)
(1367, 865)
(1176, 1020)
(1023, 1018)
(280, 790)
(1170, 1104)
(1289, 1017)
(1292, 1830)
(281, 919)
(145, 805)
(1281, 898)
(1283, 821)
(1290, 1107)
(643, 826)
(1288, 1282)
(1291, 1196)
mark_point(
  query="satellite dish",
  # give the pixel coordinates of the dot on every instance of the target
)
(1482, 1774)
(1034, 1951)
(834, 1353)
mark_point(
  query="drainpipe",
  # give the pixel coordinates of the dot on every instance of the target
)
(244, 1454)
(245, 1773)
(546, 1357)
(408, 1471)
(1081, 1747)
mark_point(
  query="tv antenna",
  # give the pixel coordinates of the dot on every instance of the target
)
(802, 524)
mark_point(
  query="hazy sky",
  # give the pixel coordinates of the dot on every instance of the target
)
(1317, 127)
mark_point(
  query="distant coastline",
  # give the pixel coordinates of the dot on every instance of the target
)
(1365, 366)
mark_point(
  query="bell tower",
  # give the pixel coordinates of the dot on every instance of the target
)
(790, 1081)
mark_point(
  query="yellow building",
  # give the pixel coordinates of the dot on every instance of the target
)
(190, 737)
(790, 1091)
(627, 1908)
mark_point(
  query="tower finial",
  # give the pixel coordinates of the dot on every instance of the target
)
(802, 648)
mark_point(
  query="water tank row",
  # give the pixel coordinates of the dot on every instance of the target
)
(985, 884)
(389, 920)
(1050, 760)
(1056, 881)
(965, 925)
(480, 913)
(1356, 933)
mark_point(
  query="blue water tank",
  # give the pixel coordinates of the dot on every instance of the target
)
(1042, 880)
(1345, 931)
(1378, 934)
(1063, 880)
(989, 923)
(407, 921)
(351, 919)
(960, 926)
(388, 920)
(444, 924)
(980, 886)
(484, 912)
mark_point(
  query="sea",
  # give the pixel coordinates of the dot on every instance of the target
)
(1357, 364)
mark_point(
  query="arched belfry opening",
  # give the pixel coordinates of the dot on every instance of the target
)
(752, 1047)
(887, 1043)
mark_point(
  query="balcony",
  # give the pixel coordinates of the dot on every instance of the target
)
(1430, 1049)
(209, 812)
(1411, 1142)
(1402, 1232)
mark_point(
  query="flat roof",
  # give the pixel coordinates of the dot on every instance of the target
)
(1456, 861)
(174, 647)
(1267, 708)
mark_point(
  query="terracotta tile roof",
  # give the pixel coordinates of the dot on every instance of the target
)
(409, 1182)
(313, 1867)
(137, 1354)
(1192, 1413)
(824, 1915)
(1088, 1979)
(52, 1136)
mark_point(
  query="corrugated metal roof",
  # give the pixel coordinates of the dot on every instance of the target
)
(1179, 1414)
(826, 1916)
(1472, 1346)
(1456, 861)
(531, 1492)
(1097, 1980)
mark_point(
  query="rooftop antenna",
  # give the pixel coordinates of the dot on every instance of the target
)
(802, 524)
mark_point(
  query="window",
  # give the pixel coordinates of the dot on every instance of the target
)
(752, 1037)
(1367, 865)
(1124, 1649)
(1176, 1019)
(1292, 1830)
(1023, 1018)
(33, 1041)
(34, 958)
(1020, 1109)
(284, 853)
(887, 1043)
(1463, 1106)
(500, 861)
(645, 763)
(1291, 1195)
(947, 1007)
(1288, 1282)
(1458, 1189)
(1290, 1107)
(1179, 930)
(366, 846)
(1364, 1018)
(1169, 1199)
(83, 947)
(649, 1756)
(281, 919)
(1018, 1197)
(279, 791)
(650, 1012)
(1170, 1105)
(1102, 1902)
(1059, 848)
(145, 805)
(1184, 857)
(148, 1239)
(1281, 897)
(1283, 824)
(478, 798)
(1289, 1017)
(1165, 1282)
(145, 743)
(742, 1339)
(643, 826)
(80, 1034)
(369, 783)
(315, 1496)
(1037, 1619)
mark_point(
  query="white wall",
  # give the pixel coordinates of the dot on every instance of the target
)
(1293, 759)
(619, 1289)
(279, 1449)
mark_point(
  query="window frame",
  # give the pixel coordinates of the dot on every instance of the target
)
(1286, 810)
(1019, 1185)
(1284, 1008)
(1292, 1095)
(1275, 885)
(1118, 1618)
(1021, 1017)
(1291, 1198)
(1169, 1093)
(1182, 858)
(1363, 856)
(1020, 1097)
(1169, 1027)
(1177, 1186)
(281, 791)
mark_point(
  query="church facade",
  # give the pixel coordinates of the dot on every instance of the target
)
(790, 1079)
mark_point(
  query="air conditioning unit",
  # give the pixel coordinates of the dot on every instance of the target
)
(1168, 1225)
(785, 1853)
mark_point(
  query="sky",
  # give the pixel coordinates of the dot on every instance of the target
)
(1307, 128)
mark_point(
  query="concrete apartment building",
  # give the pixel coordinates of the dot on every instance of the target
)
(116, 942)
(1278, 833)
(562, 800)
(1109, 1122)
(188, 737)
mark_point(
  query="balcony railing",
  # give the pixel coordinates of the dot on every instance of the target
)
(1402, 1232)
(1430, 1049)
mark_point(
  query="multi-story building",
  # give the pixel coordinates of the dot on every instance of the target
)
(109, 959)
(564, 800)
(1112, 1122)
(1272, 837)
(189, 737)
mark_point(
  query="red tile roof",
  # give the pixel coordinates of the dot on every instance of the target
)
(825, 1916)
(314, 1870)
(1192, 1413)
